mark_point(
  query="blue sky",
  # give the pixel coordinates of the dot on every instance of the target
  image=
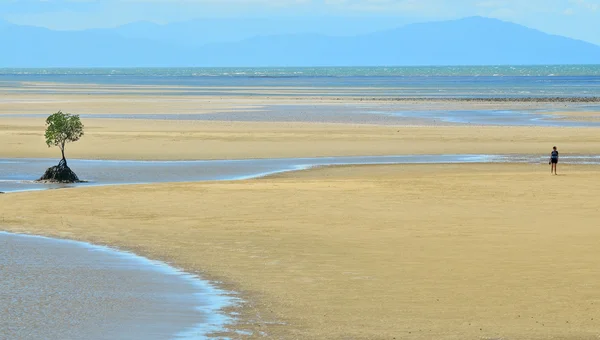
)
(573, 18)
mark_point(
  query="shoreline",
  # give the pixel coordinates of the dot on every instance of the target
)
(255, 262)
(565, 99)
(212, 305)
(300, 91)
(281, 93)
(98, 173)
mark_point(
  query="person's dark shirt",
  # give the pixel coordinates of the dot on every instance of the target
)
(554, 154)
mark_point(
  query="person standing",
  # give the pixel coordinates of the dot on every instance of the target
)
(553, 160)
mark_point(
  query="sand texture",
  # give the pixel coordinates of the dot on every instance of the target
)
(175, 140)
(138, 99)
(260, 126)
(367, 252)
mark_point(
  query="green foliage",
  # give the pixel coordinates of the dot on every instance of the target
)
(62, 128)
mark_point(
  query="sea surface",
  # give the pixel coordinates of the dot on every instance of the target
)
(435, 82)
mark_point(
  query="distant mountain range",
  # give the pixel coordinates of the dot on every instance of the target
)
(219, 30)
(469, 41)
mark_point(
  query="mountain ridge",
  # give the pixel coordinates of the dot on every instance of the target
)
(467, 41)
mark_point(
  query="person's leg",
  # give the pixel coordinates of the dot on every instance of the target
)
(555, 166)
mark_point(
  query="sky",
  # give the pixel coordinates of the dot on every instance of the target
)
(578, 19)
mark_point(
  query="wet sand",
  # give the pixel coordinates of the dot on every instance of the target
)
(308, 88)
(411, 251)
(17, 174)
(238, 126)
(158, 100)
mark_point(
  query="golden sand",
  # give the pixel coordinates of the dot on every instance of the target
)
(167, 140)
(117, 104)
(371, 252)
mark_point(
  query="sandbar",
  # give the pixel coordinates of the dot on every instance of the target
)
(283, 126)
(191, 140)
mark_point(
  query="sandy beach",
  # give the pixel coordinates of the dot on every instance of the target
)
(477, 251)
(437, 251)
(179, 140)
(261, 126)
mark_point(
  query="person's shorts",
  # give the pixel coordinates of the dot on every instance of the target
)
(554, 161)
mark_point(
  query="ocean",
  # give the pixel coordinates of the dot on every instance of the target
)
(435, 82)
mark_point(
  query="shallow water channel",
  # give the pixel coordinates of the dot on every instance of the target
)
(20, 174)
(58, 289)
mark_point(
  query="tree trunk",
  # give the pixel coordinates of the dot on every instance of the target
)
(63, 159)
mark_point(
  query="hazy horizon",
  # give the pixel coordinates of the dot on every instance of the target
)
(570, 18)
(259, 33)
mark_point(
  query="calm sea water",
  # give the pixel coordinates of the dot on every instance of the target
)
(449, 81)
